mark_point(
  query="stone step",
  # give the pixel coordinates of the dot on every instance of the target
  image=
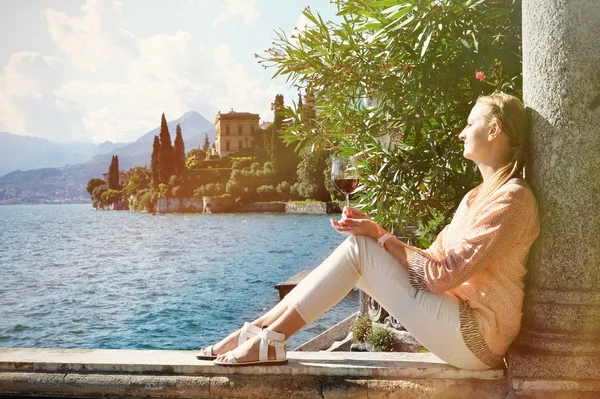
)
(139, 373)
(348, 364)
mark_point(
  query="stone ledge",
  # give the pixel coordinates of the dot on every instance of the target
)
(241, 386)
(346, 364)
(85, 373)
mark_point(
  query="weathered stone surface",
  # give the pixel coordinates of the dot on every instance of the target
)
(554, 366)
(343, 388)
(421, 389)
(561, 39)
(258, 207)
(327, 338)
(265, 386)
(177, 374)
(243, 386)
(170, 205)
(405, 342)
(345, 364)
(556, 388)
(217, 204)
(306, 207)
(560, 337)
(343, 345)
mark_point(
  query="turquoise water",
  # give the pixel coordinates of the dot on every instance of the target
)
(73, 277)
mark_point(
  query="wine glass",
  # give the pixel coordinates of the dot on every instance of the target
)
(344, 175)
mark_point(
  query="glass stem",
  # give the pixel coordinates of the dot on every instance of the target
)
(347, 200)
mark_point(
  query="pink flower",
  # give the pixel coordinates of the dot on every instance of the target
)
(479, 75)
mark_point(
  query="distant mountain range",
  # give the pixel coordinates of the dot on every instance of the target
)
(193, 128)
(76, 163)
(26, 152)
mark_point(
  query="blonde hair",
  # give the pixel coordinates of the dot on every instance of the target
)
(511, 116)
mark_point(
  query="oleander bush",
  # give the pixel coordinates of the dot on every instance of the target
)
(392, 82)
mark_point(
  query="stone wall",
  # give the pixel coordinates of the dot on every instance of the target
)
(218, 204)
(180, 205)
(275, 207)
(315, 207)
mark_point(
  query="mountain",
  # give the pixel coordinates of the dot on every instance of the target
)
(26, 152)
(67, 183)
(107, 147)
(193, 128)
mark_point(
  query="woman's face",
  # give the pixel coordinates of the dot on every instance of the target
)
(476, 134)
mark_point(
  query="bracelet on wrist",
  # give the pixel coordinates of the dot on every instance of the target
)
(383, 238)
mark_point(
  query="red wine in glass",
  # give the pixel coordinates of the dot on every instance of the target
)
(346, 186)
(344, 175)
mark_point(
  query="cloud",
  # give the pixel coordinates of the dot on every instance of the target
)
(234, 8)
(28, 101)
(121, 83)
(237, 89)
(96, 38)
(166, 77)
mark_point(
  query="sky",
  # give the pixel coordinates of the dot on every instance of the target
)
(97, 70)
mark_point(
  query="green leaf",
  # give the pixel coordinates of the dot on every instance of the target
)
(426, 42)
(383, 3)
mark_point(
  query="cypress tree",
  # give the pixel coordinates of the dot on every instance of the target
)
(206, 145)
(166, 167)
(117, 173)
(179, 152)
(284, 159)
(277, 107)
(113, 173)
(155, 163)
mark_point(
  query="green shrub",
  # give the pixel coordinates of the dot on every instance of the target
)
(382, 339)
(362, 328)
(210, 189)
(255, 167)
(145, 202)
(266, 193)
(242, 162)
(284, 189)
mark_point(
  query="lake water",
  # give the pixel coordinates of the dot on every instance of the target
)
(73, 277)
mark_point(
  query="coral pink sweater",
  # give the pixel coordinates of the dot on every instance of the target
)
(480, 257)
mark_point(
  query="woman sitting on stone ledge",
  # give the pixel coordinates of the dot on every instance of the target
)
(462, 297)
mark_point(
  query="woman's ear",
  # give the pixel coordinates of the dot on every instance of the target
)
(494, 131)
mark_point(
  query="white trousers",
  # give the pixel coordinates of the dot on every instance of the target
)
(433, 319)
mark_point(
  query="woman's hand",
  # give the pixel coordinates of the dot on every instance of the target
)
(352, 213)
(358, 227)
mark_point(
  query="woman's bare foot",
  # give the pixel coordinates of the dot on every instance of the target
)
(249, 352)
(231, 341)
(228, 343)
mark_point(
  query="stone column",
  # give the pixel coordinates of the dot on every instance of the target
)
(557, 353)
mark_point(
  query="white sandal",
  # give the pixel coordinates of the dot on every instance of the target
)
(248, 331)
(267, 337)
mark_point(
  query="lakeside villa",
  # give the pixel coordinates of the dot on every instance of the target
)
(236, 131)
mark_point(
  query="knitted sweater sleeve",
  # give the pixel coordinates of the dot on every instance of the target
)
(492, 230)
